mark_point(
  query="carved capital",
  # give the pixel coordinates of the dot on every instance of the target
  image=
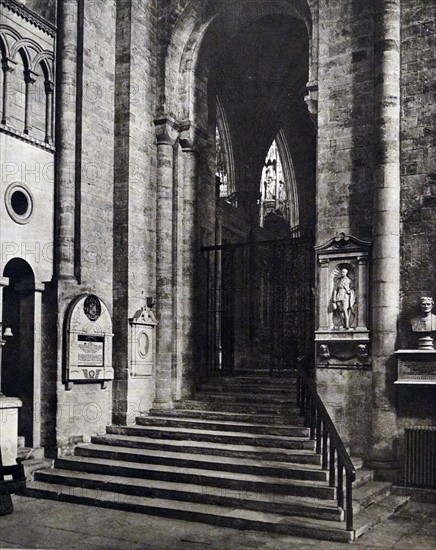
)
(167, 130)
(311, 100)
(30, 77)
(49, 87)
(8, 66)
(192, 137)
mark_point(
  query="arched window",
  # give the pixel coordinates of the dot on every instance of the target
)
(225, 171)
(278, 186)
(39, 98)
(17, 91)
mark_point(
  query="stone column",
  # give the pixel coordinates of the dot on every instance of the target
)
(49, 89)
(190, 141)
(324, 296)
(8, 66)
(66, 137)
(29, 79)
(4, 281)
(386, 236)
(167, 133)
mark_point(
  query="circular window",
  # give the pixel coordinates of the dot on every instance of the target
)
(19, 202)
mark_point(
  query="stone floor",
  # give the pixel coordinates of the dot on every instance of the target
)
(47, 524)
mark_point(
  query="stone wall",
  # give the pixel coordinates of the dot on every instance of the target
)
(418, 199)
(345, 118)
(87, 408)
(347, 395)
(44, 8)
(135, 194)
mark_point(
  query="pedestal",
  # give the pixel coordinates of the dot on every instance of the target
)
(9, 429)
(8, 443)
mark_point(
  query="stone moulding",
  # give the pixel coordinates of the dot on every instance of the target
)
(30, 16)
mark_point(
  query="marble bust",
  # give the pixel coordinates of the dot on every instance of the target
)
(426, 322)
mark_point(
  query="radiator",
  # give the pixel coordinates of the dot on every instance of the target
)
(420, 459)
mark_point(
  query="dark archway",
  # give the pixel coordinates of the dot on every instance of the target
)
(18, 374)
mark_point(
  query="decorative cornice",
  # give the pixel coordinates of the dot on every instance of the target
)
(343, 242)
(30, 16)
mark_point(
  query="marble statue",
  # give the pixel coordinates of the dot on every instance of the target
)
(343, 299)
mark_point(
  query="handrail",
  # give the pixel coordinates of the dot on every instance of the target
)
(329, 444)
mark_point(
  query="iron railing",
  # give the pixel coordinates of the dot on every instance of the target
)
(335, 458)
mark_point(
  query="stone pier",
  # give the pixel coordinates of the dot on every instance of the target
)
(385, 285)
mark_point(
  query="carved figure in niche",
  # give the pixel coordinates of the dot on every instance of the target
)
(426, 322)
(270, 189)
(362, 352)
(343, 300)
(324, 351)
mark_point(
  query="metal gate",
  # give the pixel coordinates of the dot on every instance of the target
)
(260, 305)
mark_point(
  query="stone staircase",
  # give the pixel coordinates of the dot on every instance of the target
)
(236, 456)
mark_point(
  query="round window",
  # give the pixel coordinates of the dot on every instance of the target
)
(19, 202)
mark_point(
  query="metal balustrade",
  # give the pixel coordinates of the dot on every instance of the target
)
(335, 458)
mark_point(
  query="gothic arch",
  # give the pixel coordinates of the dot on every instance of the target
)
(226, 142)
(288, 168)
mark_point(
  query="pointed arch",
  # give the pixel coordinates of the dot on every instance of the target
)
(226, 145)
(290, 180)
(278, 183)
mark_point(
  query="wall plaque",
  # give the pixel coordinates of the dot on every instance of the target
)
(416, 366)
(142, 342)
(89, 342)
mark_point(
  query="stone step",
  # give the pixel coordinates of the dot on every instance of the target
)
(249, 500)
(33, 465)
(279, 410)
(284, 470)
(240, 481)
(232, 417)
(265, 372)
(376, 513)
(296, 456)
(26, 453)
(263, 398)
(369, 493)
(245, 388)
(241, 438)
(211, 514)
(263, 381)
(362, 478)
(222, 426)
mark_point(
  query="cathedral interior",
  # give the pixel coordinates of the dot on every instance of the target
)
(218, 247)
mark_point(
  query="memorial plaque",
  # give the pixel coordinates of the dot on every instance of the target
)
(142, 343)
(90, 352)
(416, 367)
(89, 337)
